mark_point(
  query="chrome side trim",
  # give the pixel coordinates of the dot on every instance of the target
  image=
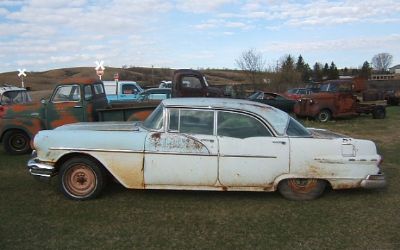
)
(250, 156)
(179, 153)
(97, 150)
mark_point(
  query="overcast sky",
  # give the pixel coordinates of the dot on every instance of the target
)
(46, 34)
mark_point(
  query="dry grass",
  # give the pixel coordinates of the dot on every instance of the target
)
(35, 215)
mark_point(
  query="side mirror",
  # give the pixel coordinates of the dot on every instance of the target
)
(43, 101)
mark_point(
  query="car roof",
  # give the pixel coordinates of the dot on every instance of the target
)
(221, 103)
(7, 88)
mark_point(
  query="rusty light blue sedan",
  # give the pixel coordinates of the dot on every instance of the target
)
(205, 144)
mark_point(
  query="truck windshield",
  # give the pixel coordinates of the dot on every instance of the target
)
(155, 120)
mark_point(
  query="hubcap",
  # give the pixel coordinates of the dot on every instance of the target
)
(302, 185)
(80, 180)
(18, 142)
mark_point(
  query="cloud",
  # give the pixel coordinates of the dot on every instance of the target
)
(201, 6)
(328, 45)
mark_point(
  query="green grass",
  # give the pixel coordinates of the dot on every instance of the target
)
(35, 215)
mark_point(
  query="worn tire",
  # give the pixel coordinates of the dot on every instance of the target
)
(379, 113)
(81, 178)
(324, 115)
(16, 142)
(301, 189)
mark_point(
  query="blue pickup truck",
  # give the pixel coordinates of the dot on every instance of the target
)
(121, 91)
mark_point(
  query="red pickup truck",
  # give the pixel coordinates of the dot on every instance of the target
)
(336, 98)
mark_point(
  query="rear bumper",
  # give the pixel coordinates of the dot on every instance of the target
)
(40, 169)
(374, 181)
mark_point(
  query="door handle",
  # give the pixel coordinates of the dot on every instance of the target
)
(77, 106)
(280, 142)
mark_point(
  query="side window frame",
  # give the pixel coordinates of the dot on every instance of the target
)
(178, 130)
(262, 123)
(62, 86)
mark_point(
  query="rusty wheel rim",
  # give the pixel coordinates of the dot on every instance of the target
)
(302, 185)
(80, 180)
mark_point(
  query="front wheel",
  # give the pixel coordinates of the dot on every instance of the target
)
(16, 142)
(324, 115)
(81, 178)
(301, 189)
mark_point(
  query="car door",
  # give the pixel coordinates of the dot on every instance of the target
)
(65, 106)
(249, 155)
(185, 154)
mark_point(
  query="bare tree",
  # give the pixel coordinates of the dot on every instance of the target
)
(382, 61)
(253, 64)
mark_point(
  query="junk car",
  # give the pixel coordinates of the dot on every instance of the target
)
(205, 144)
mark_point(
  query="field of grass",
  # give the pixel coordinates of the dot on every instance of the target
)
(35, 215)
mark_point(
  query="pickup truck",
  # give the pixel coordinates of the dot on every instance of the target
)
(337, 98)
(84, 100)
(120, 91)
(11, 95)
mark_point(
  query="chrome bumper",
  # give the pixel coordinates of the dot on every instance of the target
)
(374, 181)
(42, 170)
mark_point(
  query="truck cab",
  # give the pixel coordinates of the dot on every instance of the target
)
(192, 83)
(13, 95)
(120, 91)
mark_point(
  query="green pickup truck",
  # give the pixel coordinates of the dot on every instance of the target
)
(75, 100)
(84, 100)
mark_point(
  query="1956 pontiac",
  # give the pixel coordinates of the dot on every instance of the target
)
(205, 144)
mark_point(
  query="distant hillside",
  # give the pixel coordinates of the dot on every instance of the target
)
(46, 80)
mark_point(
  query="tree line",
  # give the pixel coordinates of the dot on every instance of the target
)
(291, 72)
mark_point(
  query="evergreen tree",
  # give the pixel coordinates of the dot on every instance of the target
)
(325, 71)
(317, 72)
(333, 72)
(365, 71)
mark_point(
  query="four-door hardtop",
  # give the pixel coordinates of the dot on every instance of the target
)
(206, 144)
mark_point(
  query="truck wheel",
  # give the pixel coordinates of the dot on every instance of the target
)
(81, 178)
(324, 115)
(301, 189)
(379, 113)
(16, 142)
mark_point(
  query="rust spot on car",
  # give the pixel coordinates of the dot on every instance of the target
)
(156, 136)
(224, 188)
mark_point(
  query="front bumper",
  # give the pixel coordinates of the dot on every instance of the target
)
(40, 169)
(374, 181)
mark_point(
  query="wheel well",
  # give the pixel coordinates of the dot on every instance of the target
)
(328, 184)
(14, 129)
(66, 157)
(327, 109)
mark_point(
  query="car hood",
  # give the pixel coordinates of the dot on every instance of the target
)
(102, 126)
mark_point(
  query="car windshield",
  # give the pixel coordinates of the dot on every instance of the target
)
(155, 120)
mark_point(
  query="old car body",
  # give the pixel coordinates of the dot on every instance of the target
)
(336, 98)
(296, 93)
(274, 100)
(205, 144)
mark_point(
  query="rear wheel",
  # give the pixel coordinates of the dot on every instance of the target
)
(16, 142)
(301, 189)
(324, 115)
(81, 178)
(379, 113)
